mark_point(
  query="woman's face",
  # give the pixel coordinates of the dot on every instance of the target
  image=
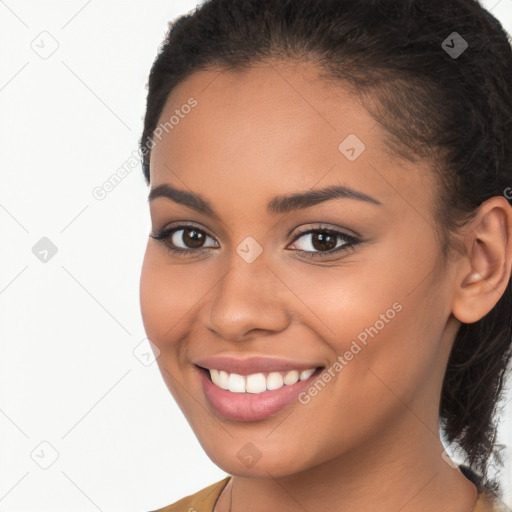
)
(375, 315)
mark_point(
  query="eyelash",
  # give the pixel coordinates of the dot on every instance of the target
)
(165, 235)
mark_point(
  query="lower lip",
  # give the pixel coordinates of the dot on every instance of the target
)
(252, 406)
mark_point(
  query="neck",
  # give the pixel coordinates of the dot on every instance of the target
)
(404, 471)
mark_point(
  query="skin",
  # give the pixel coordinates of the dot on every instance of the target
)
(369, 440)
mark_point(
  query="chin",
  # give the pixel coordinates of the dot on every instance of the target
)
(251, 462)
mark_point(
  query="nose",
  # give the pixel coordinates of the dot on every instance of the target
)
(250, 297)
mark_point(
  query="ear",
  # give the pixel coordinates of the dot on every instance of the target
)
(483, 274)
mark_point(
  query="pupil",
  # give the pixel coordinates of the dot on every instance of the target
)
(193, 241)
(323, 238)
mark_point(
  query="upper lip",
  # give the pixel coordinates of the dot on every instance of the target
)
(253, 364)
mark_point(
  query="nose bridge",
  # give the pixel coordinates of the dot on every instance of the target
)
(247, 297)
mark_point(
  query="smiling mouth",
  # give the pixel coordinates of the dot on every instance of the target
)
(257, 383)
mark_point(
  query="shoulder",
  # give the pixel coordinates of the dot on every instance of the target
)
(487, 500)
(201, 501)
(489, 504)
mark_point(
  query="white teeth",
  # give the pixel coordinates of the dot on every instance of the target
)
(223, 380)
(305, 374)
(274, 381)
(236, 383)
(257, 382)
(291, 377)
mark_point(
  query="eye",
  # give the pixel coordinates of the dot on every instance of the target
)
(183, 239)
(318, 242)
(324, 241)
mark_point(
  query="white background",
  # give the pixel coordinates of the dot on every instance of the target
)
(68, 375)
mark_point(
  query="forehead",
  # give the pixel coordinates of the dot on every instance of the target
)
(272, 127)
(276, 101)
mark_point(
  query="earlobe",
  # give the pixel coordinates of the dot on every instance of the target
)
(485, 271)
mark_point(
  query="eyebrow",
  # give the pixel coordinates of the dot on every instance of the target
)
(278, 205)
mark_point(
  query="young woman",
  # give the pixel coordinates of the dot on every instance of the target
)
(327, 278)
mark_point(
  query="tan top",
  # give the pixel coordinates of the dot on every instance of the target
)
(205, 500)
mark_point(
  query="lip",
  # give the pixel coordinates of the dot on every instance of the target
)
(253, 364)
(252, 406)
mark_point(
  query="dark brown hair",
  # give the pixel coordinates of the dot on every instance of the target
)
(453, 110)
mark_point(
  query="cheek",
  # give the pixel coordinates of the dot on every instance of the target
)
(386, 334)
(164, 297)
(164, 306)
(345, 303)
(150, 293)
